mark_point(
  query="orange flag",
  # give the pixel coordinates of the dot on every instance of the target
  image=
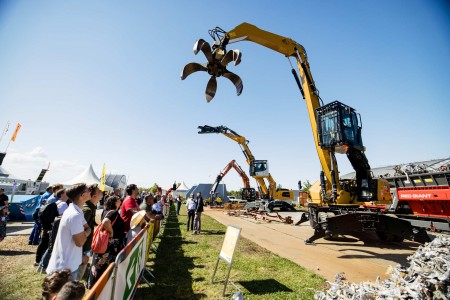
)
(13, 138)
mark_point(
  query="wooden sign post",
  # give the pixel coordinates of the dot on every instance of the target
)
(227, 252)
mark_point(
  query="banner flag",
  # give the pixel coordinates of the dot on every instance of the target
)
(103, 179)
(13, 138)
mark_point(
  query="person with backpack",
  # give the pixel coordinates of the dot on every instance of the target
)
(47, 214)
(33, 239)
(61, 206)
(90, 211)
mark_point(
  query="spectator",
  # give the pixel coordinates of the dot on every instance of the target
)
(114, 224)
(48, 253)
(54, 282)
(129, 206)
(157, 207)
(147, 203)
(198, 214)
(47, 214)
(46, 195)
(34, 237)
(53, 197)
(72, 290)
(61, 205)
(73, 232)
(3, 213)
(89, 210)
(118, 193)
(191, 206)
(178, 204)
(136, 225)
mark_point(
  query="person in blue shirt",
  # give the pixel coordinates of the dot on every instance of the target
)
(53, 197)
(33, 239)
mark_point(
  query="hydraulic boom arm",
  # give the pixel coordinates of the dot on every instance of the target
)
(267, 192)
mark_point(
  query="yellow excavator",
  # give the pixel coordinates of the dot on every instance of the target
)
(335, 206)
(259, 169)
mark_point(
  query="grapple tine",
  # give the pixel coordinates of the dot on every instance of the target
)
(192, 68)
(227, 58)
(204, 46)
(236, 80)
(211, 88)
(237, 55)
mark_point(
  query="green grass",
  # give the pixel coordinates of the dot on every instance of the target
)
(19, 280)
(184, 264)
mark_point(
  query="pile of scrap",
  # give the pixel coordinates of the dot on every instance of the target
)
(266, 217)
(428, 277)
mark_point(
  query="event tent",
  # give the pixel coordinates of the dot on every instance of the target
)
(205, 188)
(116, 181)
(89, 177)
(181, 190)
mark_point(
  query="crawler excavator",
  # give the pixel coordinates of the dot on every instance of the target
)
(248, 193)
(336, 206)
(259, 169)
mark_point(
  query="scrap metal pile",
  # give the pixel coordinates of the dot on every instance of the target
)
(428, 277)
(261, 216)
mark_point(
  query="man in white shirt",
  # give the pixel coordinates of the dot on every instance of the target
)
(191, 205)
(73, 232)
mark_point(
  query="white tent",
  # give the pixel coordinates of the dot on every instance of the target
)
(88, 176)
(181, 190)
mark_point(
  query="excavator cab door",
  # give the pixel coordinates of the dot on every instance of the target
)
(338, 127)
(259, 168)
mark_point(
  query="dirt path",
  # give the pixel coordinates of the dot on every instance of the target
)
(361, 261)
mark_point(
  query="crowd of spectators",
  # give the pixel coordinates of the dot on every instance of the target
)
(64, 222)
(65, 219)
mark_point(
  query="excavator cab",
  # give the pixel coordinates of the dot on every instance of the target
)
(338, 128)
(259, 168)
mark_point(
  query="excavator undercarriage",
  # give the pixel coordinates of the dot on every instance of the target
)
(329, 222)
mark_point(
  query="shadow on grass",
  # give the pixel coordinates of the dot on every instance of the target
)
(266, 286)
(213, 232)
(172, 270)
(15, 252)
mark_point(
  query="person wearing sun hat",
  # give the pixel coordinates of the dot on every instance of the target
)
(136, 224)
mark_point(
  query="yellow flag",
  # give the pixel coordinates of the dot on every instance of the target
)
(13, 138)
(103, 179)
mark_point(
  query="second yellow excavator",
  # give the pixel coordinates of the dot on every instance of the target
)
(259, 169)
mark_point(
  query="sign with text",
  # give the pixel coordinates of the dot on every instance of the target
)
(227, 252)
(230, 243)
(130, 265)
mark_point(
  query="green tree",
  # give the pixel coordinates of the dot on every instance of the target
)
(154, 188)
(306, 185)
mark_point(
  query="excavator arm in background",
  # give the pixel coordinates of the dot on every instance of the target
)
(248, 193)
(258, 168)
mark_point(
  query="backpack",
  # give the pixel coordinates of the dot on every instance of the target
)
(47, 214)
(36, 214)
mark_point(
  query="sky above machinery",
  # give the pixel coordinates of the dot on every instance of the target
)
(99, 82)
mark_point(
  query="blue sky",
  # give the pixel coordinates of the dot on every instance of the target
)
(98, 82)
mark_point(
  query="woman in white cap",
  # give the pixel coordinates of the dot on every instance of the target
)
(136, 224)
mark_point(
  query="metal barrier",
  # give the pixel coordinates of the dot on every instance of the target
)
(120, 280)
